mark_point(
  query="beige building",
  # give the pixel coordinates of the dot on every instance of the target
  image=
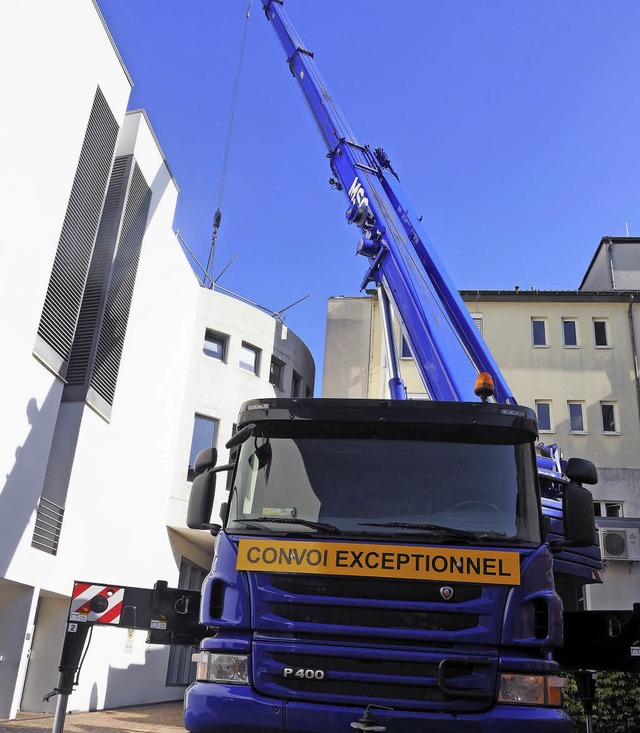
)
(571, 355)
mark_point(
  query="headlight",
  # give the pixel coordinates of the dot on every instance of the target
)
(229, 668)
(521, 689)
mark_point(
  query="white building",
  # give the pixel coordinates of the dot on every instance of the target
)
(117, 365)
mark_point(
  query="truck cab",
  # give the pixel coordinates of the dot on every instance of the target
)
(379, 560)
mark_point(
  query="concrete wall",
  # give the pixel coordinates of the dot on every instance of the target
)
(625, 258)
(347, 361)
(615, 265)
(217, 389)
(50, 95)
(17, 610)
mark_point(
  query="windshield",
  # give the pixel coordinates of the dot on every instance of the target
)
(439, 490)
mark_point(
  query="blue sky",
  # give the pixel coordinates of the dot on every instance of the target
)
(513, 125)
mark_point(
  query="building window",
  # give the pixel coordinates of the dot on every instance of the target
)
(608, 508)
(569, 332)
(204, 436)
(405, 349)
(609, 422)
(250, 358)
(538, 332)
(543, 410)
(215, 345)
(600, 333)
(478, 320)
(308, 392)
(576, 417)
(276, 372)
(296, 385)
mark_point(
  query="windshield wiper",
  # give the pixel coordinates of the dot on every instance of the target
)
(463, 534)
(321, 526)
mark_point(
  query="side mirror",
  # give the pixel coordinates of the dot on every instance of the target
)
(241, 436)
(577, 510)
(205, 460)
(201, 501)
(581, 471)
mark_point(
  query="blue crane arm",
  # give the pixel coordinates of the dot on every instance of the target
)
(447, 347)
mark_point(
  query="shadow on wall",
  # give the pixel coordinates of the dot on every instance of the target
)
(140, 684)
(23, 485)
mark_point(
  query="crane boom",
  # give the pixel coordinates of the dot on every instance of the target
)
(447, 347)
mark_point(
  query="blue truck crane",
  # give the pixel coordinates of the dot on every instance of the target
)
(386, 565)
(383, 565)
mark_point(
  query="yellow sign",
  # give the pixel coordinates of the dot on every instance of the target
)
(383, 561)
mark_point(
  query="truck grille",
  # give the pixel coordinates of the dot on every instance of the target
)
(399, 678)
(352, 640)
(380, 589)
(387, 618)
(325, 606)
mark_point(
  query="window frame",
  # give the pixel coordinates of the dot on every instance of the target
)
(546, 403)
(602, 504)
(543, 321)
(193, 451)
(616, 422)
(279, 380)
(583, 414)
(223, 338)
(296, 384)
(605, 323)
(576, 333)
(405, 349)
(478, 320)
(246, 346)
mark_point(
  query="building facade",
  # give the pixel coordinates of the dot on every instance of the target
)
(118, 367)
(570, 355)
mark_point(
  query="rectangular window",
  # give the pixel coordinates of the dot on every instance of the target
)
(600, 333)
(405, 349)
(308, 393)
(609, 421)
(478, 320)
(215, 345)
(576, 417)
(538, 332)
(296, 385)
(608, 508)
(250, 358)
(276, 372)
(204, 436)
(569, 332)
(543, 410)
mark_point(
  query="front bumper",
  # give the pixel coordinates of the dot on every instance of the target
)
(215, 708)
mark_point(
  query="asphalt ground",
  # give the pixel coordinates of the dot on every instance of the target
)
(163, 717)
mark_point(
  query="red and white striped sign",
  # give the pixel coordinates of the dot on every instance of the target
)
(100, 604)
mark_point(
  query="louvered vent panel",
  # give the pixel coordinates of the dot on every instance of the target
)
(118, 305)
(66, 285)
(46, 533)
(99, 269)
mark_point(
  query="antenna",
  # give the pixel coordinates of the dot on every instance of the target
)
(278, 314)
(226, 267)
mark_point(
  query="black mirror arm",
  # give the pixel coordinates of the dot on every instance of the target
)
(213, 528)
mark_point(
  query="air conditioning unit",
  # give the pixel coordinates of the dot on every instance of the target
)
(620, 544)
